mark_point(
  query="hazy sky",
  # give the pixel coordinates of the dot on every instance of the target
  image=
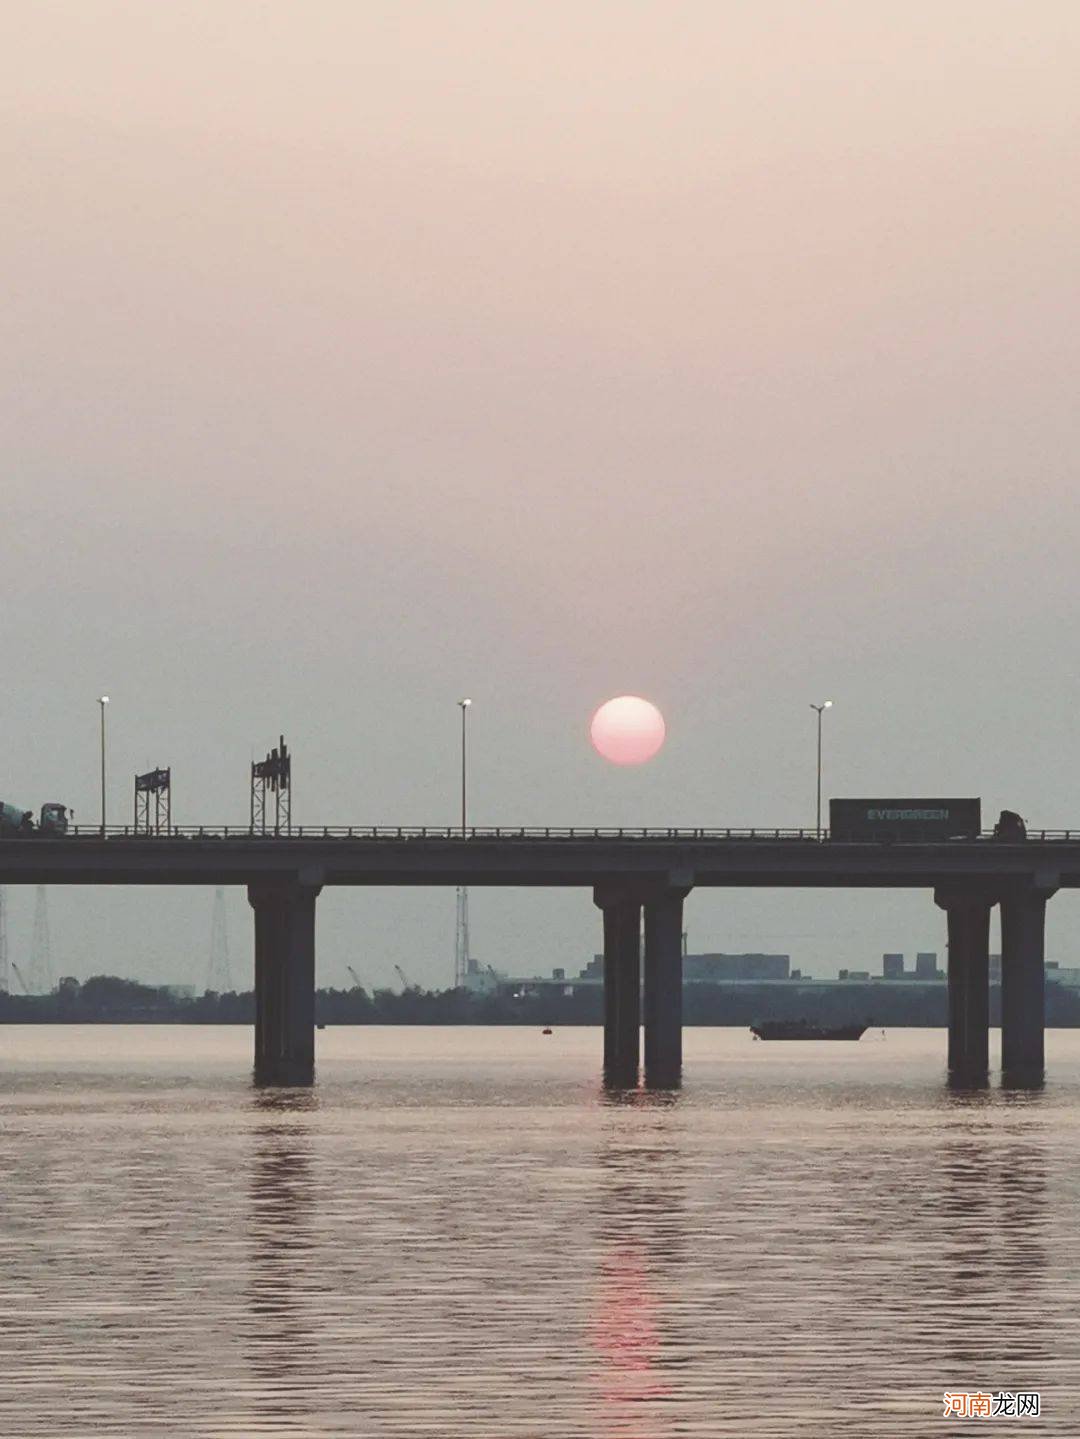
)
(358, 356)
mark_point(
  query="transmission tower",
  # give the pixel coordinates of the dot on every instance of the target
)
(219, 976)
(461, 938)
(39, 977)
(5, 968)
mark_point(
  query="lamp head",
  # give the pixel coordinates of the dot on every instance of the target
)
(464, 703)
(104, 700)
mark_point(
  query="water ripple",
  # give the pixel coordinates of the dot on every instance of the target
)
(459, 1233)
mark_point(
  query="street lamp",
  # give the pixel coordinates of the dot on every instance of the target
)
(103, 701)
(462, 964)
(821, 708)
(463, 705)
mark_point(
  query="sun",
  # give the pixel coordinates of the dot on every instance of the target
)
(627, 730)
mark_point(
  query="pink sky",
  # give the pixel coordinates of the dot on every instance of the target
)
(360, 356)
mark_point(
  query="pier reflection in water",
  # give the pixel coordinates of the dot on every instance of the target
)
(461, 1233)
(285, 1278)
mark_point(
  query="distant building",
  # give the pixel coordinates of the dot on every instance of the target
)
(177, 991)
(857, 974)
(713, 968)
(926, 966)
(482, 979)
(892, 966)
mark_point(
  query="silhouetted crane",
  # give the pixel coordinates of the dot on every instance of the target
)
(17, 972)
(406, 982)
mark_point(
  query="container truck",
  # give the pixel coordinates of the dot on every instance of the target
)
(919, 821)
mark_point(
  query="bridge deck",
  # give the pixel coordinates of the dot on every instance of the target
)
(532, 857)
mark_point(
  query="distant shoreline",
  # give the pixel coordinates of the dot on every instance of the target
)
(107, 999)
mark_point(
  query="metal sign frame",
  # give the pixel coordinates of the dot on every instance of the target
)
(153, 802)
(271, 791)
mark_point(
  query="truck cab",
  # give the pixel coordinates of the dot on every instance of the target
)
(54, 818)
(1010, 826)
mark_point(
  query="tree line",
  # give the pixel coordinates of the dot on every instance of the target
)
(112, 1000)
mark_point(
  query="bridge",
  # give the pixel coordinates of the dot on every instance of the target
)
(631, 873)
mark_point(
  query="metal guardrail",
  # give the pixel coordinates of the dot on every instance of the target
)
(440, 832)
(453, 832)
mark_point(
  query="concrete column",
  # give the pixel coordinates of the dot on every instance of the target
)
(663, 988)
(968, 913)
(622, 984)
(1023, 1003)
(284, 982)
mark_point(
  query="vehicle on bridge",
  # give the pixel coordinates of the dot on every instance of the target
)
(53, 819)
(918, 821)
(1010, 826)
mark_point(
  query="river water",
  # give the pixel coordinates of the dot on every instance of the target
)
(458, 1232)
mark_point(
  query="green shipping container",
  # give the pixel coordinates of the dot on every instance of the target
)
(915, 820)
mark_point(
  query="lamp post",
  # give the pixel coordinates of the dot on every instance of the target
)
(461, 936)
(103, 701)
(463, 705)
(821, 708)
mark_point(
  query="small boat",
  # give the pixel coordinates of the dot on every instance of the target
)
(545, 1031)
(803, 1029)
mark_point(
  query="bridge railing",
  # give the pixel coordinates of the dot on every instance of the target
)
(441, 832)
(384, 833)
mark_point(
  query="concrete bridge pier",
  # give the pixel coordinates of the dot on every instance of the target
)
(284, 982)
(622, 983)
(663, 988)
(1023, 983)
(968, 914)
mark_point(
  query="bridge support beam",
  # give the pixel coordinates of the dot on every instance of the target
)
(968, 913)
(663, 989)
(1023, 983)
(622, 984)
(284, 982)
